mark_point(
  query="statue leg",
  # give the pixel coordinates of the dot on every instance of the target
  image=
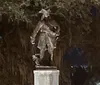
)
(50, 50)
(42, 53)
(51, 56)
(36, 59)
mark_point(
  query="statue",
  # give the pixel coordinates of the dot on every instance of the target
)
(47, 39)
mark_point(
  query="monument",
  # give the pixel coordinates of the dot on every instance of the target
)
(48, 33)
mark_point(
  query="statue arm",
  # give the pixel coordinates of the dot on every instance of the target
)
(53, 34)
(38, 27)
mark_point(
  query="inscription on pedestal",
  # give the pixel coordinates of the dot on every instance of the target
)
(46, 77)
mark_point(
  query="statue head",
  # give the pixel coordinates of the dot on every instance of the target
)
(45, 13)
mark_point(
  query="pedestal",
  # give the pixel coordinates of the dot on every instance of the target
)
(46, 77)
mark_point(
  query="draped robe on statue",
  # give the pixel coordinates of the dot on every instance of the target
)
(47, 39)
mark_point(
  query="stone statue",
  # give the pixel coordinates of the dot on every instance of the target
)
(47, 39)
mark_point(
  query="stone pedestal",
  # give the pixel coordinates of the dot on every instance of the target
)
(46, 77)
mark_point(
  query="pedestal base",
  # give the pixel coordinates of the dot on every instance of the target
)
(46, 77)
(46, 67)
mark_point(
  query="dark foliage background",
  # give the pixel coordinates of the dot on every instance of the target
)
(79, 21)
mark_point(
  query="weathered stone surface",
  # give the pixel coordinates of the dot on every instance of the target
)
(46, 77)
(45, 67)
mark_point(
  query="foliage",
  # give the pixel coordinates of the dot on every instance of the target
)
(72, 12)
(73, 16)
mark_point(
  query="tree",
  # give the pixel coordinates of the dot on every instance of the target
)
(18, 19)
